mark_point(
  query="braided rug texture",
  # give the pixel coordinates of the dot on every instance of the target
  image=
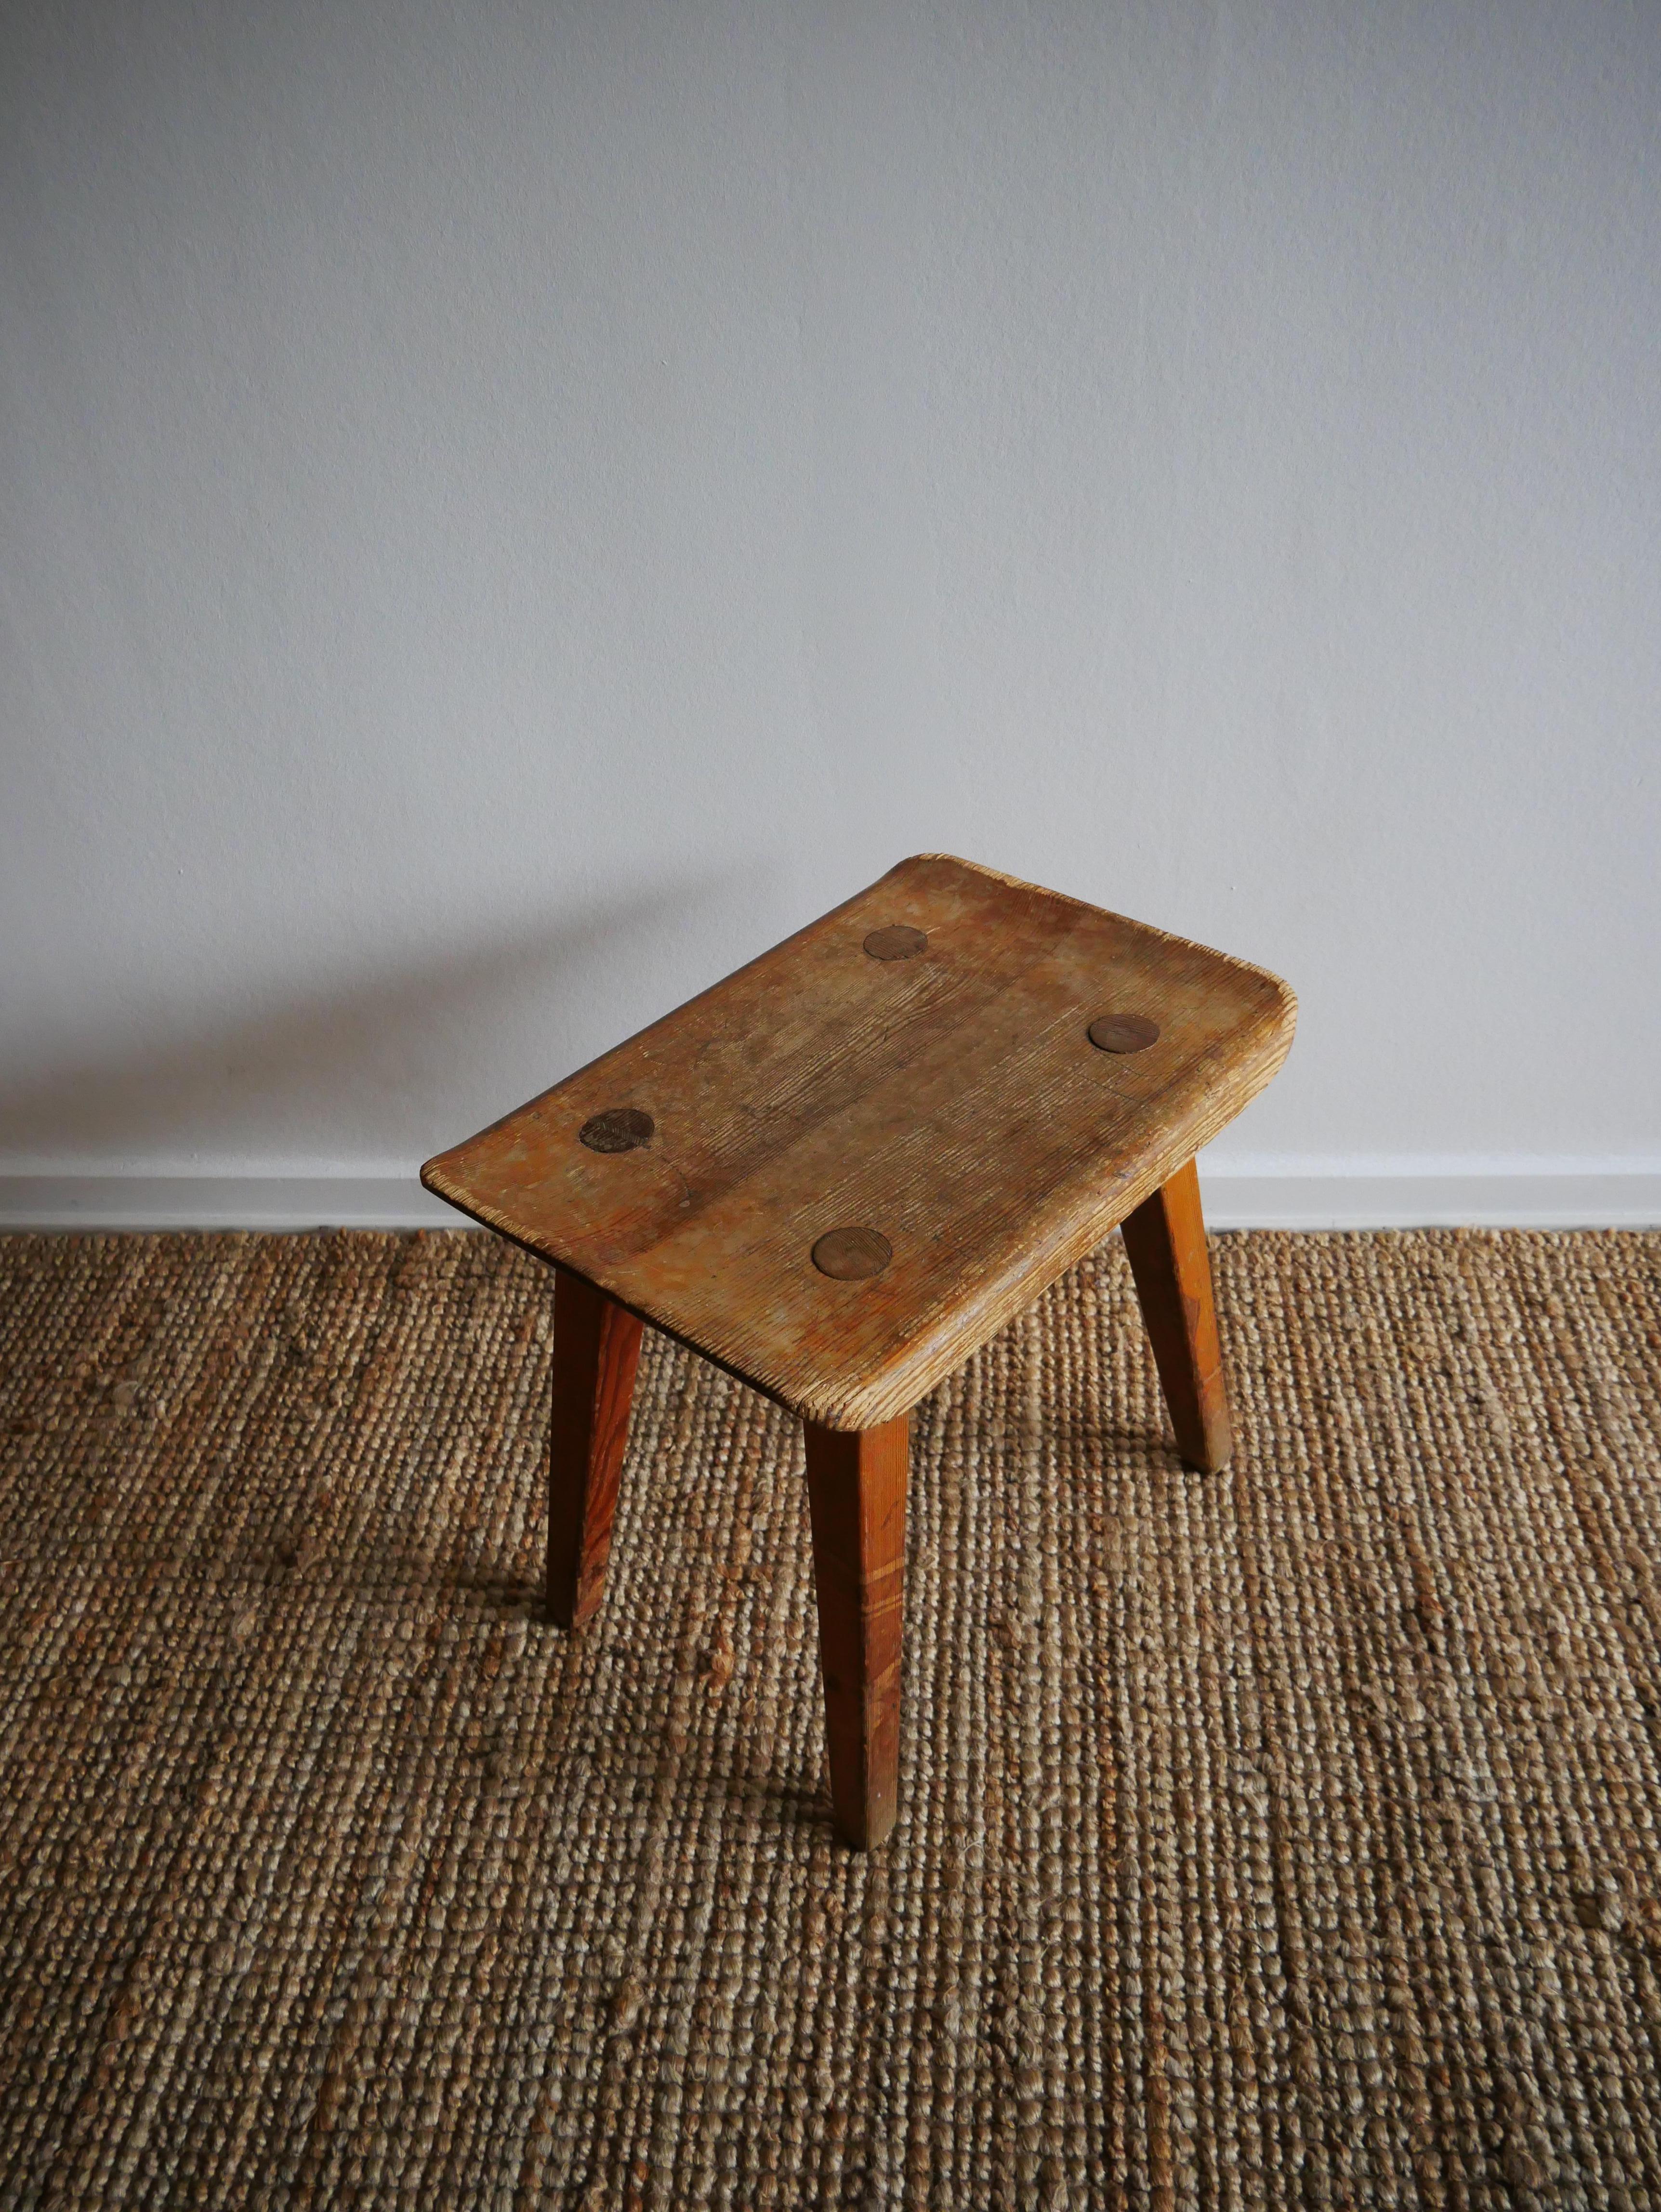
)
(1285, 1837)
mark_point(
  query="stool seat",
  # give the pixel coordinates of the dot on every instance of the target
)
(840, 1171)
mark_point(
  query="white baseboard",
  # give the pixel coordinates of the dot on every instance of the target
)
(1531, 1198)
(1284, 1193)
(173, 1201)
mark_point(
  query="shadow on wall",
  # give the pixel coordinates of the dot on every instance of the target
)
(395, 1065)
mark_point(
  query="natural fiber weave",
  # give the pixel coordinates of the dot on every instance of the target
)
(1284, 1837)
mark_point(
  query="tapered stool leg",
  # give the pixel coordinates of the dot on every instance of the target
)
(1165, 1239)
(596, 1352)
(856, 1496)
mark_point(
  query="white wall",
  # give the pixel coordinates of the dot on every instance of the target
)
(508, 512)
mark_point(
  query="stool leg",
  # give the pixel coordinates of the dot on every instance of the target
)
(596, 1352)
(856, 1496)
(1165, 1239)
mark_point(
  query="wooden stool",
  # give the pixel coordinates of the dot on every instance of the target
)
(839, 1172)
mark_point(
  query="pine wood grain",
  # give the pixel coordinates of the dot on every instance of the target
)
(596, 1352)
(1164, 1238)
(950, 1101)
(856, 1497)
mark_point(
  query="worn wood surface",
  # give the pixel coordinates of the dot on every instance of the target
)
(950, 1100)
(856, 1497)
(596, 1352)
(1164, 1238)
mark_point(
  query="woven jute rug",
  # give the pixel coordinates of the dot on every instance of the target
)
(1282, 1837)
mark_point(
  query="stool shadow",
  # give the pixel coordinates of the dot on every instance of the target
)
(1094, 1442)
(401, 1059)
(496, 1592)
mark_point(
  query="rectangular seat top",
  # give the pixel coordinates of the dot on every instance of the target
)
(841, 1170)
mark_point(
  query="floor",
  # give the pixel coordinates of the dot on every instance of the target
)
(1285, 1836)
